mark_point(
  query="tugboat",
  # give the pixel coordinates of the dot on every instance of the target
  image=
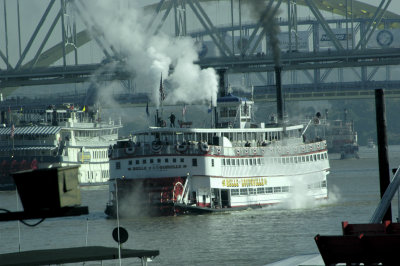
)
(371, 144)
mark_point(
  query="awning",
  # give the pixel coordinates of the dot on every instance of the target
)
(32, 130)
(26, 148)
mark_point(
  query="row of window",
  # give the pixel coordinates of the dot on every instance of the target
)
(235, 161)
(277, 160)
(157, 160)
(317, 185)
(259, 190)
(255, 161)
(95, 133)
(270, 190)
(103, 173)
(99, 154)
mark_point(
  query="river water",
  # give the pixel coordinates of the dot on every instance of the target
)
(254, 237)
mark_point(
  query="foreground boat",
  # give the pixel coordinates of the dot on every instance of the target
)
(237, 164)
(56, 137)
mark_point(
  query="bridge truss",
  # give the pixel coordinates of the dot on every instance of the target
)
(56, 49)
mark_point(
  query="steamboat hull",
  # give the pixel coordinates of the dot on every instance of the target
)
(230, 183)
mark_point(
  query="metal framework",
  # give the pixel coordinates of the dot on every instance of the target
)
(36, 63)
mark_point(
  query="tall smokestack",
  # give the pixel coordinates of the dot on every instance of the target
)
(221, 90)
(279, 94)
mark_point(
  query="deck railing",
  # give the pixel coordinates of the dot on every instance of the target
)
(274, 149)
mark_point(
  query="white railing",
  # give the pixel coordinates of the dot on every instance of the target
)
(270, 150)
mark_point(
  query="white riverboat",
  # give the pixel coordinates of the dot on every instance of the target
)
(56, 137)
(235, 165)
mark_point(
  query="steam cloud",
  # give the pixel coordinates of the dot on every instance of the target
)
(257, 7)
(149, 56)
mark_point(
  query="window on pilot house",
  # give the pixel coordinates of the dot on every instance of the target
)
(118, 165)
(130, 162)
(194, 162)
(212, 162)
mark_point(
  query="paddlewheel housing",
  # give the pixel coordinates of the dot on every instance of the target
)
(157, 195)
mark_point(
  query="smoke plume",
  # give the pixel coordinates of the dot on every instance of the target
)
(269, 23)
(148, 56)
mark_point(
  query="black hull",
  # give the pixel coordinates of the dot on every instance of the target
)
(170, 209)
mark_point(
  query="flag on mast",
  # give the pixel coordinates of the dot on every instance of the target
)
(12, 131)
(184, 110)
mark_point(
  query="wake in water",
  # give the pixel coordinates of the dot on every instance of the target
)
(300, 199)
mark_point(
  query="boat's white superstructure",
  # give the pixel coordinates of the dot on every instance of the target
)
(57, 137)
(237, 164)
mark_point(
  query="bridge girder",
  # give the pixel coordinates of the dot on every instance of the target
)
(16, 74)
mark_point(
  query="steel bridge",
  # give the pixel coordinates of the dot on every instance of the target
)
(342, 48)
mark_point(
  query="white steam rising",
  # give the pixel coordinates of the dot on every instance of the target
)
(299, 198)
(150, 56)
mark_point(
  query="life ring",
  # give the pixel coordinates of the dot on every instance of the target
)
(254, 150)
(318, 145)
(219, 150)
(181, 148)
(311, 147)
(129, 150)
(246, 151)
(156, 146)
(262, 151)
(204, 147)
(237, 151)
(304, 149)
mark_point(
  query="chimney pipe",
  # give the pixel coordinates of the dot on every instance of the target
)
(279, 94)
(222, 87)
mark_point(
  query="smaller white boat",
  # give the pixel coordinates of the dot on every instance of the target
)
(371, 144)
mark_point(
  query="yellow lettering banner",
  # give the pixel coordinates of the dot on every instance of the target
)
(244, 182)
